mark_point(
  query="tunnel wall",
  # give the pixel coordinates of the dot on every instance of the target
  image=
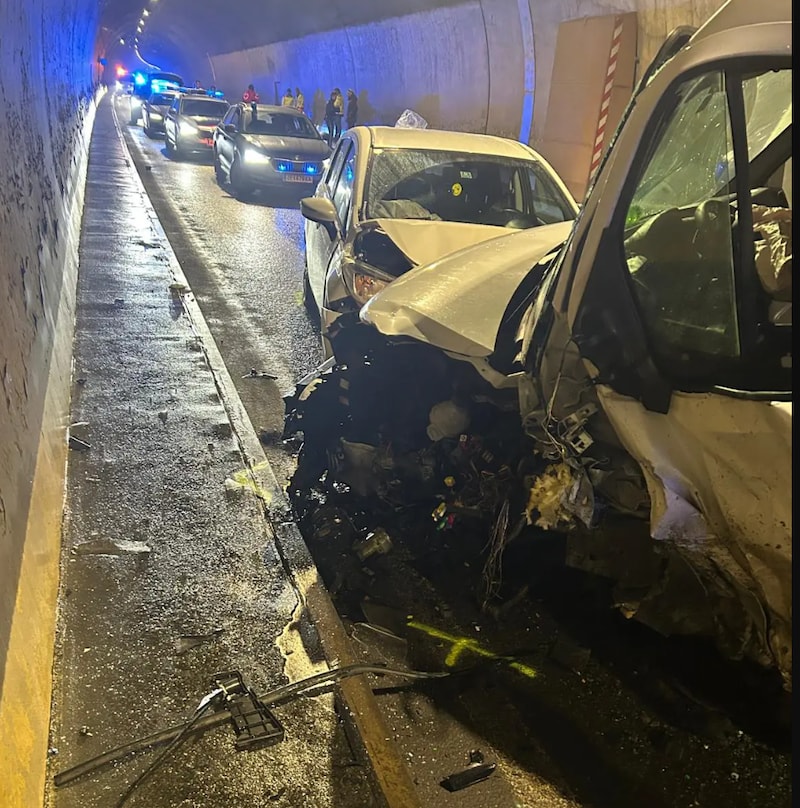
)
(484, 65)
(437, 62)
(45, 110)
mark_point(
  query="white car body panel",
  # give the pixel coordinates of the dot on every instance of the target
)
(457, 303)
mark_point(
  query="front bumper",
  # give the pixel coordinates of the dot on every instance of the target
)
(201, 141)
(297, 177)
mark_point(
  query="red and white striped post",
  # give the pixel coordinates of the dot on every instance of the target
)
(605, 102)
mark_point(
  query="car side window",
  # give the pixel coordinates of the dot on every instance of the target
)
(337, 161)
(707, 257)
(343, 192)
(229, 116)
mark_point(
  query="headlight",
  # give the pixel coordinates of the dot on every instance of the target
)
(366, 286)
(253, 156)
(156, 116)
(188, 128)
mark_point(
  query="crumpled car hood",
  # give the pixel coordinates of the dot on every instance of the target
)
(457, 302)
(423, 241)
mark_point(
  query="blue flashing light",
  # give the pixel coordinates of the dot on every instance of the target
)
(139, 79)
(283, 166)
(311, 168)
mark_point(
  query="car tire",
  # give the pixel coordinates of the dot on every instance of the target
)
(241, 189)
(147, 130)
(168, 146)
(134, 117)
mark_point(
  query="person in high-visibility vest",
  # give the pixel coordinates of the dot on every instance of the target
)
(288, 99)
(299, 100)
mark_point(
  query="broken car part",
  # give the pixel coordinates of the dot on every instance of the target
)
(477, 771)
(252, 722)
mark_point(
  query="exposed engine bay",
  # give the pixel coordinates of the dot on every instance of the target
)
(402, 430)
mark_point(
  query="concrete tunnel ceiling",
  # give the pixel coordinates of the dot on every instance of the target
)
(178, 34)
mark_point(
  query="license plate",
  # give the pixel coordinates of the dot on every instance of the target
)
(297, 178)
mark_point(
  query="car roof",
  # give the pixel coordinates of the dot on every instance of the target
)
(393, 137)
(744, 13)
(272, 108)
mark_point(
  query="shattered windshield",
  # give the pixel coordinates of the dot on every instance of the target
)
(204, 108)
(463, 187)
(695, 160)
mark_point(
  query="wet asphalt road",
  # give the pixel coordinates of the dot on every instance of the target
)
(244, 262)
(618, 728)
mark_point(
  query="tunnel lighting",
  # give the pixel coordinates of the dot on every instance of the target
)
(121, 41)
(121, 71)
(145, 13)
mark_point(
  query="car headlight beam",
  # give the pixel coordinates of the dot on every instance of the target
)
(255, 157)
(188, 128)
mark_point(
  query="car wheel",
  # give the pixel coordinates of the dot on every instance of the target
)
(134, 117)
(241, 188)
(146, 127)
(168, 146)
(176, 149)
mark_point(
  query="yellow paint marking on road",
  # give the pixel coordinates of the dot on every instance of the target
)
(247, 478)
(460, 645)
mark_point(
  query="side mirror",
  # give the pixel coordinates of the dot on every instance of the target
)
(320, 210)
(230, 128)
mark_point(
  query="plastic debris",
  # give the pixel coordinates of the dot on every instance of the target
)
(477, 771)
(411, 120)
(189, 641)
(258, 374)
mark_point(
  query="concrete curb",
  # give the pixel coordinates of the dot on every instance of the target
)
(357, 706)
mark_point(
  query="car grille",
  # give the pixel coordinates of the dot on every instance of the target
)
(297, 167)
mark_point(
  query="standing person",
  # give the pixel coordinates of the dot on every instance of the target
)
(288, 98)
(250, 95)
(197, 84)
(352, 109)
(299, 100)
(338, 102)
(330, 117)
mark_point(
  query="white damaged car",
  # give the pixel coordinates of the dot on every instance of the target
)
(395, 198)
(627, 381)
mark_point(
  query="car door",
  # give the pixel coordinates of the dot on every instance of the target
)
(171, 120)
(225, 139)
(676, 292)
(320, 245)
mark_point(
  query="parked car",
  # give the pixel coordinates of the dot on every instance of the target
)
(154, 110)
(646, 360)
(395, 198)
(190, 122)
(258, 146)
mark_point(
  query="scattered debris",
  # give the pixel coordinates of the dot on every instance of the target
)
(258, 374)
(178, 288)
(119, 302)
(189, 641)
(84, 730)
(78, 445)
(163, 416)
(475, 772)
(111, 547)
(376, 542)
